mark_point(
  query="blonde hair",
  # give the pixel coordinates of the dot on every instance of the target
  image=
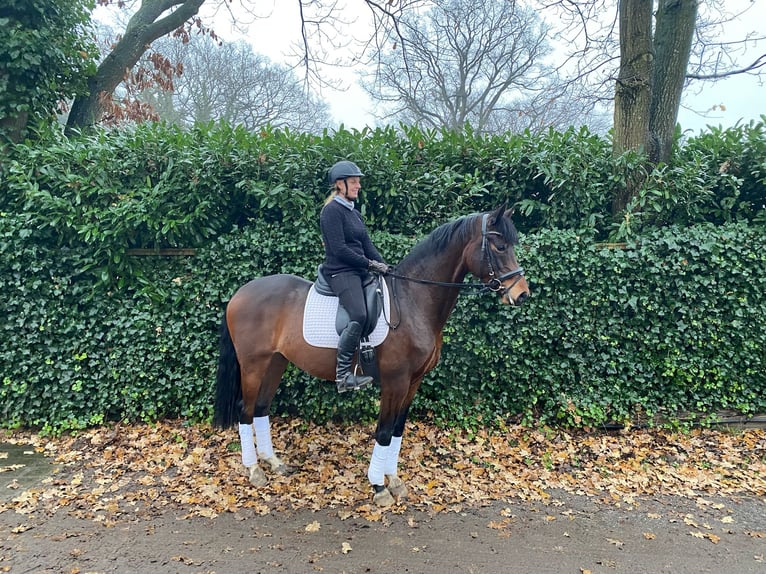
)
(333, 193)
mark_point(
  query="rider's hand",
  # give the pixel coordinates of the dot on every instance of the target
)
(378, 267)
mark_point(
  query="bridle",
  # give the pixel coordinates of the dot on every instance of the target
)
(494, 284)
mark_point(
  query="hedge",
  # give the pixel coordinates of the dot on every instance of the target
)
(671, 323)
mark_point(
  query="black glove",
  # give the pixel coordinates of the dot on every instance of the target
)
(378, 267)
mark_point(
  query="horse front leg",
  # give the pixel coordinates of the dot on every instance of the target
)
(383, 470)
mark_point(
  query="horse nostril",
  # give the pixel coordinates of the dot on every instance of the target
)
(521, 298)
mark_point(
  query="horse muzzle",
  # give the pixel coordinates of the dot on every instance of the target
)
(515, 301)
(511, 286)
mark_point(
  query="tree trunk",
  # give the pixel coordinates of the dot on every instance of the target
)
(633, 90)
(144, 27)
(13, 128)
(676, 20)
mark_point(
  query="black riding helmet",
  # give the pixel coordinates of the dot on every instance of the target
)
(342, 170)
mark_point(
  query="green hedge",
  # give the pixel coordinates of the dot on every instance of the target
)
(672, 323)
(159, 186)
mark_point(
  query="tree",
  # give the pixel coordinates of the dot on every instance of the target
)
(467, 62)
(228, 81)
(154, 19)
(45, 56)
(321, 23)
(664, 45)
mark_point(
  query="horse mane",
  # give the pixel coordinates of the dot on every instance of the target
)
(461, 230)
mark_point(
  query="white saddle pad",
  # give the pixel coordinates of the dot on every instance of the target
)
(319, 320)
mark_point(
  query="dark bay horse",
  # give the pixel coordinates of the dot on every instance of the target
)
(262, 332)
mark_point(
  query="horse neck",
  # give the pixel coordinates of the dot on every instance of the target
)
(436, 301)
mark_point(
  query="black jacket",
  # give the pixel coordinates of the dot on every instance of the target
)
(347, 245)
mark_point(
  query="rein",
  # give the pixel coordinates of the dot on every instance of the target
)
(494, 284)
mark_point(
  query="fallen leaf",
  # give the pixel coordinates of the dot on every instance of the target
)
(697, 534)
(346, 548)
(105, 475)
(650, 535)
(313, 527)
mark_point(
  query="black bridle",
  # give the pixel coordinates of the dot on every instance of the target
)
(495, 284)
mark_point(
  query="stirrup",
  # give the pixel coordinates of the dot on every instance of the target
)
(352, 382)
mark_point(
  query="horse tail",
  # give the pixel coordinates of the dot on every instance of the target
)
(228, 391)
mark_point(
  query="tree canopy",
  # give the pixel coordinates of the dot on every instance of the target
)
(462, 62)
(229, 81)
(46, 56)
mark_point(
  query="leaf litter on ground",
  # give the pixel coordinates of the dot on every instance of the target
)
(123, 472)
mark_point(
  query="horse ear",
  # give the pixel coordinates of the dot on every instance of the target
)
(497, 215)
(509, 212)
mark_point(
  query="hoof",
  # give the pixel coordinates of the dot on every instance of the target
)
(383, 498)
(256, 475)
(397, 488)
(278, 466)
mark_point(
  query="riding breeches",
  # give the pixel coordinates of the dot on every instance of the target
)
(348, 288)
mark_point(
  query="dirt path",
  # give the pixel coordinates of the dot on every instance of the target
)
(169, 498)
(570, 534)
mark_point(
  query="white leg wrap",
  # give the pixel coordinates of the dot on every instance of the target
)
(263, 437)
(392, 461)
(249, 458)
(376, 472)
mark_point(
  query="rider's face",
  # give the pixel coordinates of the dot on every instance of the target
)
(351, 188)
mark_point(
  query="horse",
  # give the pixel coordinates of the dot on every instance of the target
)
(262, 331)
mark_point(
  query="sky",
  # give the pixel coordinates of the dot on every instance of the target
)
(738, 98)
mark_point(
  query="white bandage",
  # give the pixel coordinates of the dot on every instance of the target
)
(263, 437)
(249, 458)
(376, 472)
(392, 461)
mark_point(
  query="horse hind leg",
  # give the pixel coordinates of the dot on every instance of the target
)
(259, 385)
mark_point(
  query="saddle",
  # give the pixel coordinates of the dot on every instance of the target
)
(373, 298)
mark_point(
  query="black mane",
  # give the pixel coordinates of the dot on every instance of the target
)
(460, 229)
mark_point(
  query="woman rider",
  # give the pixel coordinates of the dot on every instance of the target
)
(349, 255)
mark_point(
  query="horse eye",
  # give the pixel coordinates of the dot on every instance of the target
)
(500, 247)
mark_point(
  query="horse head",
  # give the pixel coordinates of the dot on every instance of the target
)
(493, 257)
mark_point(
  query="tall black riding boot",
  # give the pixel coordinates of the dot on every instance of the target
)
(349, 341)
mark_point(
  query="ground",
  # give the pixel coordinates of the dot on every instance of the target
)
(171, 498)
